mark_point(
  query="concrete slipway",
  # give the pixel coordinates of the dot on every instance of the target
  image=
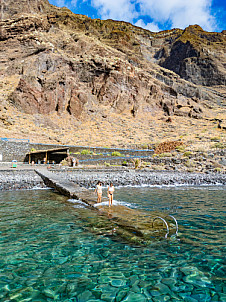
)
(135, 226)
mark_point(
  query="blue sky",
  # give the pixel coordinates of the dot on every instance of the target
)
(154, 15)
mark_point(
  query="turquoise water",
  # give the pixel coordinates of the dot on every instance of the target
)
(51, 249)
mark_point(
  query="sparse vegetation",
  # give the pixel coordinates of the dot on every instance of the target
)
(187, 153)
(118, 34)
(155, 155)
(64, 162)
(167, 154)
(86, 152)
(219, 146)
(168, 146)
(180, 148)
(215, 139)
(116, 153)
(144, 147)
(144, 164)
(189, 163)
(137, 162)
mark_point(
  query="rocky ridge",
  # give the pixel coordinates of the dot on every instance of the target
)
(60, 70)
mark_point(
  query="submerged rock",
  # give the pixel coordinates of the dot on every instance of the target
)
(195, 277)
(85, 296)
(159, 289)
(118, 283)
(121, 295)
(169, 282)
(134, 297)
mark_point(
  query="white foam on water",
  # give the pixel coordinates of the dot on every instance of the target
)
(175, 185)
(217, 187)
(77, 203)
(168, 186)
(104, 203)
(38, 188)
(124, 203)
(74, 200)
(115, 203)
(185, 187)
(153, 186)
(79, 206)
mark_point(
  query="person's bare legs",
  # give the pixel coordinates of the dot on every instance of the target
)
(111, 199)
(99, 198)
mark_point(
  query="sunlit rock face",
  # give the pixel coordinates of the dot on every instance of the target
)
(10, 8)
(55, 61)
(197, 56)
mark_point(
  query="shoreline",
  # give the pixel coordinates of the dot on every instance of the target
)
(26, 179)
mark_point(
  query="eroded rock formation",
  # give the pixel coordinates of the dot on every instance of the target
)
(55, 61)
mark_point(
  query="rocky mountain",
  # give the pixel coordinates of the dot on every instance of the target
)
(11, 8)
(56, 67)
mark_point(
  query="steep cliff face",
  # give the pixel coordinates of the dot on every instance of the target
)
(53, 61)
(197, 56)
(10, 8)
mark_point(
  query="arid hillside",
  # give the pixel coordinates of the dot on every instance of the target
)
(70, 79)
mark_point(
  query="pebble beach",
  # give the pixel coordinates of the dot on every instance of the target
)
(22, 179)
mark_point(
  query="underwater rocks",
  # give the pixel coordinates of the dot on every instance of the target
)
(94, 287)
(195, 277)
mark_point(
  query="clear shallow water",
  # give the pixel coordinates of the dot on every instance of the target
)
(51, 251)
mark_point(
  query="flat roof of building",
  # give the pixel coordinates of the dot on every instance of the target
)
(50, 150)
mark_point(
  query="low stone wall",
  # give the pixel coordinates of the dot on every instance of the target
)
(45, 146)
(97, 150)
(20, 180)
(109, 160)
(11, 150)
(17, 150)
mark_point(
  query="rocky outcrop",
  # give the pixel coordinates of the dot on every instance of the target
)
(196, 56)
(71, 64)
(10, 8)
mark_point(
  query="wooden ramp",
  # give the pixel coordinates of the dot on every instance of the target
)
(135, 226)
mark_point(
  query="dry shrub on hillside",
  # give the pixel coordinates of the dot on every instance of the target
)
(167, 146)
(136, 162)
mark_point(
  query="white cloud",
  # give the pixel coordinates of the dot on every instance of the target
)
(69, 4)
(180, 13)
(74, 3)
(150, 26)
(60, 3)
(152, 14)
(123, 10)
